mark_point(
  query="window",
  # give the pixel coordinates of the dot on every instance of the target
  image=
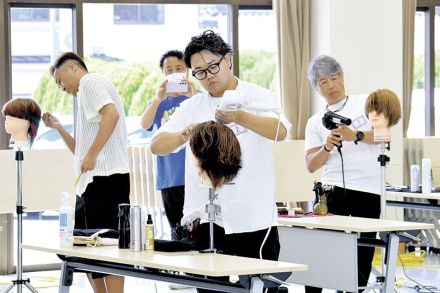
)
(417, 118)
(257, 57)
(138, 14)
(37, 37)
(31, 14)
(210, 16)
(128, 56)
(425, 105)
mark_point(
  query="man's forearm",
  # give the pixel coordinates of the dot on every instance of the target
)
(67, 138)
(264, 126)
(166, 142)
(316, 158)
(149, 113)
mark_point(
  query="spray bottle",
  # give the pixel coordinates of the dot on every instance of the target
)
(66, 221)
(149, 233)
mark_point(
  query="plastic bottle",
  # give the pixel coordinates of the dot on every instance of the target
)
(426, 176)
(66, 221)
(149, 232)
(415, 171)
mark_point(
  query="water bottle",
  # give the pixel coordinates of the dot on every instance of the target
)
(426, 176)
(66, 221)
(415, 171)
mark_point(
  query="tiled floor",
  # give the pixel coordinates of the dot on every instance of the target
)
(426, 274)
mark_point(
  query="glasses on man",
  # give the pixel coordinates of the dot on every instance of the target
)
(213, 69)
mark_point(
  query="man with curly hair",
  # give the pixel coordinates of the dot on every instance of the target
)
(248, 209)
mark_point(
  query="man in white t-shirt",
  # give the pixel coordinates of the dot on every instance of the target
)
(100, 149)
(247, 205)
(359, 171)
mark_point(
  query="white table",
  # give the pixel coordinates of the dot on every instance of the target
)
(157, 266)
(432, 198)
(328, 245)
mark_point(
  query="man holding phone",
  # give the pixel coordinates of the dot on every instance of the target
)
(170, 178)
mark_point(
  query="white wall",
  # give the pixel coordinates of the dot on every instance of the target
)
(365, 36)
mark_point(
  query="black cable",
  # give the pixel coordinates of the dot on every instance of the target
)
(419, 286)
(343, 173)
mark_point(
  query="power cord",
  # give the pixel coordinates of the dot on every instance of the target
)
(275, 209)
(419, 286)
(343, 173)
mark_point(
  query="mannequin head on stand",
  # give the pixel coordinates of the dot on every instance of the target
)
(22, 118)
(383, 110)
(216, 152)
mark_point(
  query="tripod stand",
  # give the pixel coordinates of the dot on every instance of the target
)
(19, 282)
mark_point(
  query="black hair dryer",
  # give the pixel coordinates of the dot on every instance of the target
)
(330, 120)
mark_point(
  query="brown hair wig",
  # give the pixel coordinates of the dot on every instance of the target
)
(217, 150)
(386, 102)
(24, 108)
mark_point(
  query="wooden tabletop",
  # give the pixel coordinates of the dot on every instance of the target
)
(208, 264)
(352, 224)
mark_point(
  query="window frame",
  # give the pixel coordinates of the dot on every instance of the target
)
(428, 7)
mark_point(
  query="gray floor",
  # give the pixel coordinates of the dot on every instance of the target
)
(426, 274)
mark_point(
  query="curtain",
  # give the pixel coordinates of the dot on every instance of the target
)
(409, 11)
(293, 32)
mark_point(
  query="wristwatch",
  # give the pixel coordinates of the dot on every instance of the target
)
(359, 136)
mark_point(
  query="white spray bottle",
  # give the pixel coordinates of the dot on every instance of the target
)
(66, 221)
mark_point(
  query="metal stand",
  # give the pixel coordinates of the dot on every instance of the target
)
(383, 160)
(20, 209)
(211, 209)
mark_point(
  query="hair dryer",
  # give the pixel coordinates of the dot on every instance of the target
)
(232, 100)
(331, 119)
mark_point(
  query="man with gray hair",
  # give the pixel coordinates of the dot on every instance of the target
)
(356, 184)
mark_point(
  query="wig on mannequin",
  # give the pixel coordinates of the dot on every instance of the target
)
(386, 102)
(217, 152)
(27, 109)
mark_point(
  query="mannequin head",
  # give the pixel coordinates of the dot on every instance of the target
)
(216, 151)
(22, 118)
(383, 110)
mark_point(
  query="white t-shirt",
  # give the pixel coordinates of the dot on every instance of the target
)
(361, 168)
(95, 92)
(248, 205)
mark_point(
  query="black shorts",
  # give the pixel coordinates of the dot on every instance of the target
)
(97, 208)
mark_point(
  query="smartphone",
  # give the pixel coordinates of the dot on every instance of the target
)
(177, 87)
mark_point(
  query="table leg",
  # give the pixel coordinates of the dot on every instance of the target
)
(66, 278)
(256, 285)
(390, 273)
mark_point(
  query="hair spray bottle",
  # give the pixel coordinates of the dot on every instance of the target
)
(149, 233)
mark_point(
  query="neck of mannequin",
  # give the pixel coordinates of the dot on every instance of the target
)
(20, 136)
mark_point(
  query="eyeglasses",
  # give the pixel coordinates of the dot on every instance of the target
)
(213, 69)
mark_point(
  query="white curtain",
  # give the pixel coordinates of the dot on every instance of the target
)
(293, 32)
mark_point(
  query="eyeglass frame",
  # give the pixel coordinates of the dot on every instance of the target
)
(194, 73)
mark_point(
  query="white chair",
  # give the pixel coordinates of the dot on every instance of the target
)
(143, 185)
